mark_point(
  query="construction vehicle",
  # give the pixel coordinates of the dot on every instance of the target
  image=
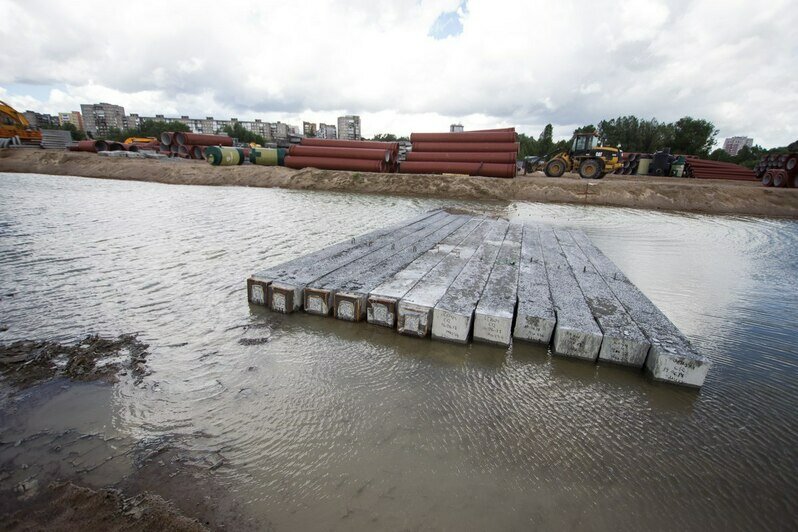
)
(14, 124)
(585, 156)
(140, 140)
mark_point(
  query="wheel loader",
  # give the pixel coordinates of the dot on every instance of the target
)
(585, 156)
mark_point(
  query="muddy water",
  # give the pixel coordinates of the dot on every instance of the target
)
(330, 425)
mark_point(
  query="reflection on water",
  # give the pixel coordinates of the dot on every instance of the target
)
(336, 425)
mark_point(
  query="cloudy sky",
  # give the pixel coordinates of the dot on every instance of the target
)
(413, 65)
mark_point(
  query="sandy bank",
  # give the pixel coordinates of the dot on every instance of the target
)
(707, 196)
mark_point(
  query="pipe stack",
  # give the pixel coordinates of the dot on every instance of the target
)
(778, 170)
(190, 145)
(704, 169)
(489, 153)
(356, 155)
(92, 146)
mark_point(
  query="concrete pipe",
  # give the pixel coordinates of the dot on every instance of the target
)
(466, 146)
(224, 156)
(467, 136)
(167, 137)
(334, 163)
(130, 147)
(780, 179)
(198, 139)
(116, 146)
(370, 154)
(463, 157)
(473, 169)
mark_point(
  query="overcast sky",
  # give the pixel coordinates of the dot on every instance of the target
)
(413, 65)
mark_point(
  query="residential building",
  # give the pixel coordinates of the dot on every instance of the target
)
(98, 118)
(309, 129)
(41, 120)
(456, 128)
(327, 131)
(73, 117)
(733, 145)
(349, 127)
(280, 130)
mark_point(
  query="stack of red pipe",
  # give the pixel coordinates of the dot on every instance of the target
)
(704, 169)
(190, 145)
(489, 153)
(356, 155)
(778, 170)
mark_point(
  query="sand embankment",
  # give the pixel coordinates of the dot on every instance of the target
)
(707, 196)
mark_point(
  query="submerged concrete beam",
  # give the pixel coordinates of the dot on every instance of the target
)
(624, 343)
(345, 290)
(285, 292)
(493, 318)
(414, 310)
(576, 334)
(383, 299)
(258, 283)
(671, 357)
(453, 315)
(535, 318)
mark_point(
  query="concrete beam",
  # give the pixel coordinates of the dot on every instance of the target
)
(493, 318)
(414, 310)
(383, 299)
(258, 283)
(347, 288)
(624, 343)
(535, 319)
(453, 315)
(671, 357)
(286, 291)
(576, 334)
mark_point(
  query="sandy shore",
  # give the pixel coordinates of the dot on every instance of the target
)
(706, 196)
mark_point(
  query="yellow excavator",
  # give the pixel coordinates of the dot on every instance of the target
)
(14, 124)
(585, 156)
(140, 140)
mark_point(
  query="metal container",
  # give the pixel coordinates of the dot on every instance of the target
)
(267, 156)
(224, 156)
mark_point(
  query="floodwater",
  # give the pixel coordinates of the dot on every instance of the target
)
(331, 425)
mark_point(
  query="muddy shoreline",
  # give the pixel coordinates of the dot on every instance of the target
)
(674, 194)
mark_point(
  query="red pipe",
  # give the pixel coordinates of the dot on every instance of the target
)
(332, 143)
(92, 146)
(198, 139)
(465, 136)
(483, 169)
(340, 153)
(334, 163)
(462, 157)
(466, 146)
(116, 146)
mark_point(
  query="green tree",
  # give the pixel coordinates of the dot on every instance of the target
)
(692, 136)
(385, 137)
(546, 140)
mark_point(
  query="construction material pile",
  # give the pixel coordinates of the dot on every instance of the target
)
(778, 170)
(355, 155)
(96, 146)
(489, 153)
(705, 169)
(190, 145)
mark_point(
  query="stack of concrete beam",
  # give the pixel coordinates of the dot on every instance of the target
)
(456, 278)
